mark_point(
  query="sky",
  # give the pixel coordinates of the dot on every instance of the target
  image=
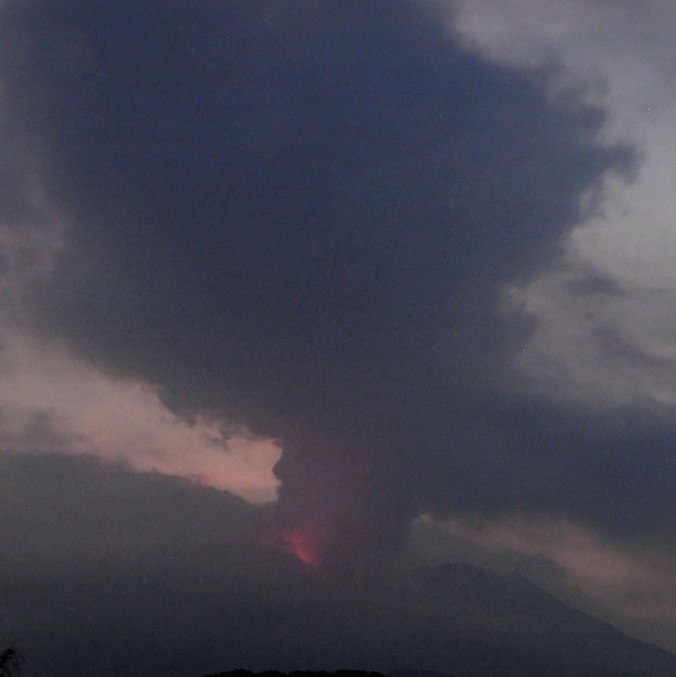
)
(400, 272)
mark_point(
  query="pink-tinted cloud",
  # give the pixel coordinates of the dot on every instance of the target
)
(83, 411)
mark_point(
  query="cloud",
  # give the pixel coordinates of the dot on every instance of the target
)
(303, 223)
(52, 402)
(618, 54)
(598, 340)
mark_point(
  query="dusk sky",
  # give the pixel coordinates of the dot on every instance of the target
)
(400, 274)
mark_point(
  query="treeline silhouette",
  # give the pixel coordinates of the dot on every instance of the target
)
(400, 672)
(297, 673)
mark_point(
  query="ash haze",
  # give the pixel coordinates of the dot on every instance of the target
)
(398, 273)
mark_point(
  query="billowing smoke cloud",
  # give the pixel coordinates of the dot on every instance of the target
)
(301, 217)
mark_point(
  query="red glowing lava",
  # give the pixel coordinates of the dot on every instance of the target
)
(302, 546)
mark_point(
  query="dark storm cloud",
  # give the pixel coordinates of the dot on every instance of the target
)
(300, 216)
(612, 470)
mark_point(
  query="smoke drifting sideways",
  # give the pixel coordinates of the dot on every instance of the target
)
(300, 217)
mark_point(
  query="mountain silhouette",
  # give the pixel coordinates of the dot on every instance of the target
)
(461, 620)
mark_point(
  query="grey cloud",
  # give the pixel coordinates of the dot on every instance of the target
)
(594, 283)
(596, 340)
(616, 346)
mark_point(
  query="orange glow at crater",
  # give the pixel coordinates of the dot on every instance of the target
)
(301, 545)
